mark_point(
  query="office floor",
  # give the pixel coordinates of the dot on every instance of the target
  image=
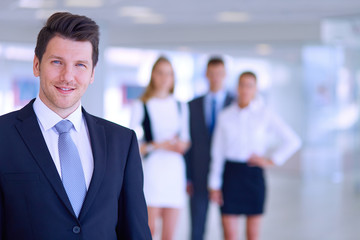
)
(299, 208)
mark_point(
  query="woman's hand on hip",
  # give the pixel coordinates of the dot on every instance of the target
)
(216, 196)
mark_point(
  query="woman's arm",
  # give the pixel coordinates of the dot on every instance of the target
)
(217, 162)
(289, 140)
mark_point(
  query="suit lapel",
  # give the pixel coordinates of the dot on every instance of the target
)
(201, 107)
(228, 100)
(98, 146)
(202, 115)
(29, 130)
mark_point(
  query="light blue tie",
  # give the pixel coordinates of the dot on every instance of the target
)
(71, 168)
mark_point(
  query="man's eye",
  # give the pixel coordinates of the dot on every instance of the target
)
(56, 62)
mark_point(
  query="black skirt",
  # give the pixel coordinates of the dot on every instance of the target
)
(243, 189)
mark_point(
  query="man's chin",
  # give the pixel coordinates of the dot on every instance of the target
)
(67, 105)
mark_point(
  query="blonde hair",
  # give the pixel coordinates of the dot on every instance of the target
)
(150, 89)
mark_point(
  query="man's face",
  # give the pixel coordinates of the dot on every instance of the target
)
(65, 72)
(216, 74)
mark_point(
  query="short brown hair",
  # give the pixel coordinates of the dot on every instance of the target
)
(71, 26)
(248, 73)
(215, 61)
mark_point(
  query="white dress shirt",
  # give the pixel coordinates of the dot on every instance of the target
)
(239, 133)
(79, 133)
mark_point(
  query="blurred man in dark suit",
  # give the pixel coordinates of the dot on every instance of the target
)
(203, 111)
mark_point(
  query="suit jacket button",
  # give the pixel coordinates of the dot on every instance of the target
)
(76, 229)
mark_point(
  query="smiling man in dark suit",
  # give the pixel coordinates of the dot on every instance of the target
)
(84, 182)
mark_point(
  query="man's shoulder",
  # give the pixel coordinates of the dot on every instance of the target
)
(8, 123)
(197, 100)
(200, 99)
(230, 95)
(9, 118)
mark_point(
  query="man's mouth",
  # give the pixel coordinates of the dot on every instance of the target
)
(65, 89)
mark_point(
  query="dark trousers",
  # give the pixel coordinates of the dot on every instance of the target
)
(199, 203)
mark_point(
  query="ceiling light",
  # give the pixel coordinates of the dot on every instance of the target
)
(84, 3)
(184, 49)
(151, 19)
(141, 15)
(263, 49)
(233, 17)
(37, 3)
(134, 11)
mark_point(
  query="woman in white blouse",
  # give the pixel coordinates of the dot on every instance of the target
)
(240, 151)
(163, 124)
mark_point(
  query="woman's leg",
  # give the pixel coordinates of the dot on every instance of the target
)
(230, 225)
(170, 217)
(253, 227)
(153, 214)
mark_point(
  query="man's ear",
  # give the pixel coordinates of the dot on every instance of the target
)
(92, 76)
(207, 74)
(36, 66)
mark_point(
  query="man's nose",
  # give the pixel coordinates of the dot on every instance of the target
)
(67, 73)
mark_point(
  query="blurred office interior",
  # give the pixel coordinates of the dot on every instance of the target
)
(307, 58)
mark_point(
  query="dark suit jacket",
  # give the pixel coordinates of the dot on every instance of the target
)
(198, 156)
(33, 201)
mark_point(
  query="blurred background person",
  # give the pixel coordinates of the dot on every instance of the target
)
(240, 151)
(202, 115)
(164, 122)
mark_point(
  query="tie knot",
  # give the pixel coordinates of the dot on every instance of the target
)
(63, 126)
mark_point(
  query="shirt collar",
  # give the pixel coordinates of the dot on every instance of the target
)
(220, 95)
(49, 118)
(256, 104)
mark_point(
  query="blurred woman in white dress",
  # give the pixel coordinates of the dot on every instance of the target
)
(163, 122)
(240, 152)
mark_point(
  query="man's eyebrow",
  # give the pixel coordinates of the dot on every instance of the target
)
(79, 61)
(83, 61)
(54, 56)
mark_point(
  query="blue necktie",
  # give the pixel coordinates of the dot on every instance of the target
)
(213, 115)
(71, 168)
